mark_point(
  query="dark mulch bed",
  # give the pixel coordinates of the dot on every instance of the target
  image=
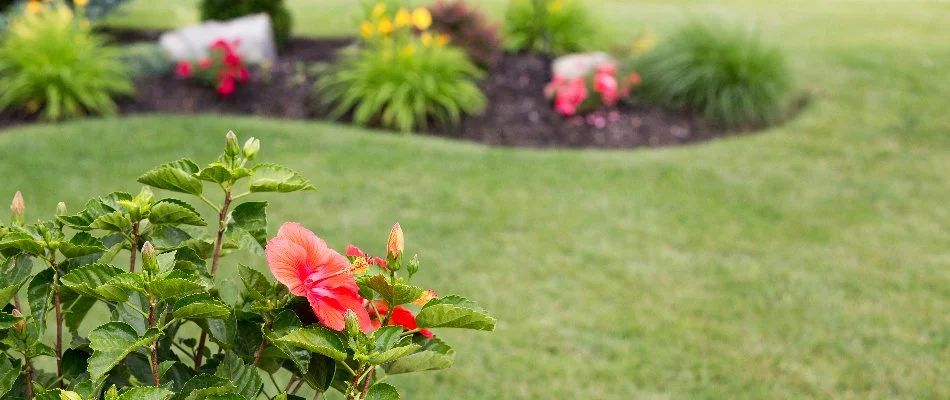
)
(517, 115)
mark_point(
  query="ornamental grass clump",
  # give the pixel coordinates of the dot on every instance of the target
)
(331, 321)
(51, 64)
(403, 75)
(728, 74)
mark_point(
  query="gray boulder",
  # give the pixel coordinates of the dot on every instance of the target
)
(253, 31)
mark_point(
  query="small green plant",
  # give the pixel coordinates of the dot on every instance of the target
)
(280, 18)
(468, 29)
(550, 26)
(145, 59)
(51, 63)
(398, 79)
(728, 74)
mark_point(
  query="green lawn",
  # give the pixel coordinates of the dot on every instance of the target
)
(809, 261)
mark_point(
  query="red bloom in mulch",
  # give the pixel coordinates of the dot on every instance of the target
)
(355, 252)
(183, 70)
(244, 75)
(303, 262)
(226, 87)
(401, 317)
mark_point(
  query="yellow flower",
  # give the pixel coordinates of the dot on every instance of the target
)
(379, 10)
(403, 18)
(385, 27)
(421, 18)
(443, 40)
(34, 7)
(426, 39)
(644, 43)
(80, 3)
(367, 29)
(555, 6)
(408, 51)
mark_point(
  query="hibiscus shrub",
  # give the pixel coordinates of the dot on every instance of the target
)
(331, 321)
(589, 93)
(224, 68)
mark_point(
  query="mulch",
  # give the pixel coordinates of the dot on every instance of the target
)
(518, 114)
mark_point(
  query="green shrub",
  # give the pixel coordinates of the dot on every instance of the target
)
(49, 62)
(728, 74)
(280, 19)
(550, 26)
(145, 59)
(402, 86)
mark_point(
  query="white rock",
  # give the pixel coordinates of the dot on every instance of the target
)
(579, 64)
(253, 31)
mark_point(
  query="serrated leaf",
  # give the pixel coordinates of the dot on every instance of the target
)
(8, 320)
(395, 353)
(216, 172)
(91, 280)
(200, 305)
(170, 288)
(40, 295)
(146, 393)
(116, 221)
(382, 391)
(257, 285)
(203, 386)
(8, 375)
(111, 343)
(167, 237)
(277, 178)
(95, 208)
(82, 244)
(21, 241)
(316, 339)
(394, 295)
(434, 354)
(320, 372)
(454, 312)
(249, 226)
(246, 379)
(177, 176)
(175, 212)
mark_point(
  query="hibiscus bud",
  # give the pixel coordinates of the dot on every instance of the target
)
(145, 197)
(21, 323)
(251, 148)
(413, 266)
(232, 148)
(17, 207)
(61, 209)
(149, 259)
(352, 324)
(396, 243)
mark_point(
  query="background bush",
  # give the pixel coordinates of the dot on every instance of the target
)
(389, 86)
(49, 63)
(550, 26)
(221, 10)
(727, 73)
(468, 29)
(145, 59)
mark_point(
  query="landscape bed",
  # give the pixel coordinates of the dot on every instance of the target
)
(517, 115)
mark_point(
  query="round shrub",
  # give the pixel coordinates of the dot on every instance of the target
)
(221, 10)
(50, 63)
(468, 29)
(729, 74)
(550, 26)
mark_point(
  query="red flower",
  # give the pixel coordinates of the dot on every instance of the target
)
(226, 87)
(303, 262)
(244, 75)
(401, 317)
(606, 85)
(232, 59)
(183, 70)
(570, 96)
(608, 69)
(221, 44)
(355, 252)
(205, 63)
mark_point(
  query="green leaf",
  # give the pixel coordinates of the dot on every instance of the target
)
(435, 354)
(320, 372)
(40, 295)
(82, 244)
(21, 241)
(395, 353)
(167, 237)
(83, 220)
(316, 339)
(8, 320)
(146, 393)
(116, 221)
(382, 391)
(175, 212)
(397, 294)
(204, 386)
(171, 288)
(111, 343)
(8, 375)
(200, 305)
(177, 176)
(257, 285)
(16, 272)
(246, 379)
(454, 312)
(249, 226)
(96, 280)
(216, 172)
(276, 178)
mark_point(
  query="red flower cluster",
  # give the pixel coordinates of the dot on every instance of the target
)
(224, 68)
(570, 96)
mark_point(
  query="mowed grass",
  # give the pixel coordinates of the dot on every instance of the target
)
(808, 261)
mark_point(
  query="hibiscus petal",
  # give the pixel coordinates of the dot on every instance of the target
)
(317, 250)
(328, 311)
(288, 262)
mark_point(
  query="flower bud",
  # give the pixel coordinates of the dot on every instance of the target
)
(232, 147)
(413, 266)
(396, 243)
(61, 209)
(149, 259)
(352, 324)
(17, 207)
(145, 197)
(21, 323)
(251, 148)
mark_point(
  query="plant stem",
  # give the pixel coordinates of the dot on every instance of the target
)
(28, 375)
(57, 306)
(260, 352)
(135, 246)
(222, 223)
(154, 345)
(296, 388)
(293, 378)
(369, 378)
